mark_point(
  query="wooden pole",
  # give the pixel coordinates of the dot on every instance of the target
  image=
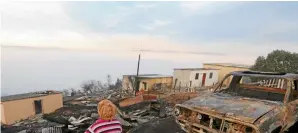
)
(136, 80)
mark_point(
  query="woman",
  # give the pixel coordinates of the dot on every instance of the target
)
(107, 122)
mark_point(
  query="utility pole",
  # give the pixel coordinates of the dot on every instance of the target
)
(137, 78)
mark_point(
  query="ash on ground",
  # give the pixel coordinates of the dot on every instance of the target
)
(151, 115)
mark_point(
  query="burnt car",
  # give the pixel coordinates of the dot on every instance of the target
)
(243, 102)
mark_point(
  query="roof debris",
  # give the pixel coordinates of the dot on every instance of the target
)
(79, 112)
(28, 95)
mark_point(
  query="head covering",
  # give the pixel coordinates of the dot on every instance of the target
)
(106, 110)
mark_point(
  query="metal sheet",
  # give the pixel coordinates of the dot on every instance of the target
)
(243, 109)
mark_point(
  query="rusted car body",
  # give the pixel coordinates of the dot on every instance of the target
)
(247, 105)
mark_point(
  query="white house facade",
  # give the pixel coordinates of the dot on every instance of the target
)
(194, 77)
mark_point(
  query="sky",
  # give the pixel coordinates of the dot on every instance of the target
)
(58, 45)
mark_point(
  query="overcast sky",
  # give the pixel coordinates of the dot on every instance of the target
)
(56, 45)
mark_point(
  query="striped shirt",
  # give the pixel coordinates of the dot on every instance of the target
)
(103, 126)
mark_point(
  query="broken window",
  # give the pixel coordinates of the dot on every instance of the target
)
(294, 92)
(138, 86)
(197, 76)
(222, 87)
(257, 87)
(157, 86)
(210, 75)
(263, 82)
(38, 106)
(296, 84)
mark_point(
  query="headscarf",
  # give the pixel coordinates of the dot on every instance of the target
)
(106, 110)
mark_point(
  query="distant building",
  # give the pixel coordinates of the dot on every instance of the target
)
(22, 106)
(225, 68)
(194, 77)
(147, 82)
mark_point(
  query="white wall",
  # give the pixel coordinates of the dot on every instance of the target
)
(126, 84)
(182, 77)
(185, 76)
(208, 81)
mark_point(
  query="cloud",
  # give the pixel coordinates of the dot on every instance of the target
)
(37, 25)
(35, 16)
(110, 23)
(127, 46)
(120, 15)
(156, 24)
(206, 7)
(177, 52)
(196, 6)
(173, 32)
(278, 26)
(145, 6)
(147, 27)
(161, 22)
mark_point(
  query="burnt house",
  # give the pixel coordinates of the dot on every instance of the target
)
(22, 106)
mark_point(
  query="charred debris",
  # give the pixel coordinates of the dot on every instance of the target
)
(79, 112)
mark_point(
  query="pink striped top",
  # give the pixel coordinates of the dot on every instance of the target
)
(103, 126)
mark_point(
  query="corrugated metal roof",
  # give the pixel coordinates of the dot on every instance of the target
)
(229, 65)
(27, 95)
(155, 76)
(195, 69)
(150, 76)
(142, 75)
(265, 74)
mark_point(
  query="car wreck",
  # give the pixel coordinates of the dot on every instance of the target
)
(251, 102)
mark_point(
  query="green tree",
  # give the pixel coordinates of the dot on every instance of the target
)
(277, 61)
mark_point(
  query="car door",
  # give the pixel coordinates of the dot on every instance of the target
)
(292, 106)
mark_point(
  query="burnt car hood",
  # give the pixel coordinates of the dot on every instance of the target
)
(234, 107)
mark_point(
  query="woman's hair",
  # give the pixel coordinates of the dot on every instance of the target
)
(106, 110)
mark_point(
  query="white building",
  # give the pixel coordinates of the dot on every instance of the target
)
(194, 77)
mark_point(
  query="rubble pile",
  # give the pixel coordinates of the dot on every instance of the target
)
(72, 119)
(79, 112)
(134, 115)
(30, 125)
(178, 98)
(94, 98)
(144, 115)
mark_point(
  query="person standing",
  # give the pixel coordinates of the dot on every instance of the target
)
(106, 122)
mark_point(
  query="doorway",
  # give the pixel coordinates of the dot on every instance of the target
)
(137, 86)
(38, 106)
(145, 86)
(203, 79)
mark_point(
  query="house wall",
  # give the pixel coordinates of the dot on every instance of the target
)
(168, 81)
(2, 114)
(126, 84)
(182, 77)
(185, 76)
(24, 108)
(208, 81)
(224, 70)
